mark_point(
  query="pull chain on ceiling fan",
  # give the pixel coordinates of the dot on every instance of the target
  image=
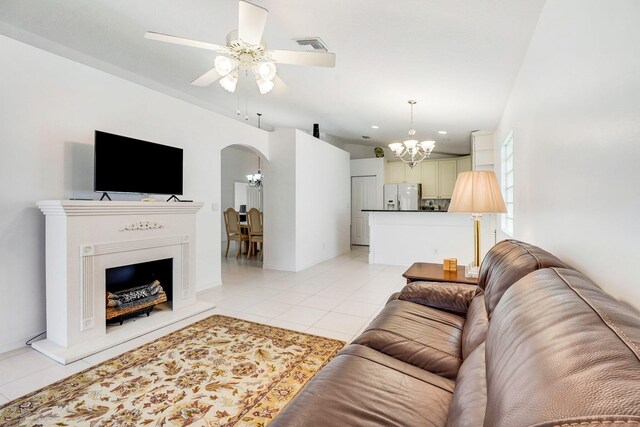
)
(246, 51)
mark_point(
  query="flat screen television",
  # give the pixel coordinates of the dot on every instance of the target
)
(128, 165)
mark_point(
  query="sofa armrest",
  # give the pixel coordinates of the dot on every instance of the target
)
(394, 296)
(449, 296)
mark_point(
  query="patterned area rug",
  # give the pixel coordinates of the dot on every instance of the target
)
(219, 371)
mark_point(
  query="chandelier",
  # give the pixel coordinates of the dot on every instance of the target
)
(411, 151)
(248, 60)
(255, 179)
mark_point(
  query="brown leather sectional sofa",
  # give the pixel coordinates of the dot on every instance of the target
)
(534, 344)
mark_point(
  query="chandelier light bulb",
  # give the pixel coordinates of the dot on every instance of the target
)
(267, 70)
(223, 65)
(229, 82)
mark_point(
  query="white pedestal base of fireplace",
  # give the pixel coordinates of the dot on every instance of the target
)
(83, 239)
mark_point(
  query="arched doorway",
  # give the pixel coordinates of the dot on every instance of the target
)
(237, 161)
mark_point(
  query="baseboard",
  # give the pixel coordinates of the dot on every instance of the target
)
(206, 287)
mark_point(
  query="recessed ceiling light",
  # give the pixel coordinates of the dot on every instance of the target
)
(442, 132)
(375, 127)
(366, 137)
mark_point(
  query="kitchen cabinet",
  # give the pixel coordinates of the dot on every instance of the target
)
(396, 173)
(447, 175)
(463, 164)
(401, 173)
(439, 178)
(429, 179)
(413, 175)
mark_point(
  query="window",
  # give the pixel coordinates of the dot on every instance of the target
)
(507, 183)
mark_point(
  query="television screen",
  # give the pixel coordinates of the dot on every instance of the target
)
(127, 165)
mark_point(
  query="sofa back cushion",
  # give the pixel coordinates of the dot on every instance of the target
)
(506, 263)
(470, 395)
(560, 351)
(475, 325)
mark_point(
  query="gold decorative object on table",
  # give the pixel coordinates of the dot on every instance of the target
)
(450, 264)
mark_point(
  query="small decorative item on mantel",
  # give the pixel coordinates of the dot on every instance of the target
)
(450, 264)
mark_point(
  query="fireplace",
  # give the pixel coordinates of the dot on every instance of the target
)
(135, 289)
(99, 247)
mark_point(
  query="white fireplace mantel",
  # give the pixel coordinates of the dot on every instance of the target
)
(83, 239)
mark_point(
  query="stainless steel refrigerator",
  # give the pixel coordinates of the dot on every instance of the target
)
(403, 197)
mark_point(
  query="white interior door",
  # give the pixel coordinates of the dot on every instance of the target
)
(363, 196)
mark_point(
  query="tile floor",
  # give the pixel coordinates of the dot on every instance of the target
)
(336, 299)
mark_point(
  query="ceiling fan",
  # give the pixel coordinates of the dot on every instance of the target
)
(246, 51)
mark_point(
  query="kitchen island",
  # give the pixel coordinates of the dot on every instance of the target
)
(405, 237)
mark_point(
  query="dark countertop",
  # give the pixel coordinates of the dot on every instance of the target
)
(383, 210)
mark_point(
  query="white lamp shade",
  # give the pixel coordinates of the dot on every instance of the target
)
(223, 65)
(411, 144)
(427, 145)
(264, 86)
(477, 192)
(396, 147)
(229, 82)
(267, 70)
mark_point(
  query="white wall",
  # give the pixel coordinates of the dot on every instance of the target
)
(323, 193)
(371, 167)
(50, 108)
(236, 164)
(280, 202)
(306, 201)
(362, 151)
(575, 115)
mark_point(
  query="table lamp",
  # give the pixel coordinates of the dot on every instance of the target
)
(477, 192)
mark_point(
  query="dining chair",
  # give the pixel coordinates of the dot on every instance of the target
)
(234, 230)
(254, 217)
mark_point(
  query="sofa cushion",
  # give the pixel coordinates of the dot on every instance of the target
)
(506, 263)
(362, 387)
(453, 297)
(475, 326)
(470, 395)
(419, 335)
(559, 351)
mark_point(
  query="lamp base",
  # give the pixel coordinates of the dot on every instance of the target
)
(471, 271)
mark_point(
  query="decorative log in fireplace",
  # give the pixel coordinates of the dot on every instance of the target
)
(133, 302)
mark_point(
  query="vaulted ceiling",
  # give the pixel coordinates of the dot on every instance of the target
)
(457, 58)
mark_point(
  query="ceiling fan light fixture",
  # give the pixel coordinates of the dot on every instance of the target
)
(264, 86)
(267, 70)
(223, 65)
(229, 82)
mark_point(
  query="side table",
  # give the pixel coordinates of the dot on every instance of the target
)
(430, 272)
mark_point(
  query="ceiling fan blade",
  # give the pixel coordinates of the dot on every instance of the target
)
(207, 78)
(280, 87)
(185, 42)
(316, 59)
(251, 22)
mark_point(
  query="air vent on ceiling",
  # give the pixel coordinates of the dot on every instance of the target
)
(315, 42)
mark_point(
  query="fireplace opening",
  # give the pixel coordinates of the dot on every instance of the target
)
(134, 290)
